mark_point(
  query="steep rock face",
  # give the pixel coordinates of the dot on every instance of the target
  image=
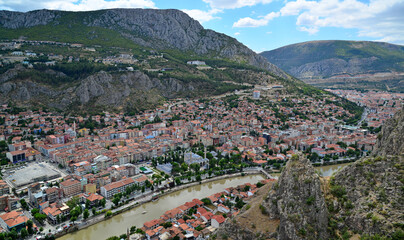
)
(333, 66)
(14, 20)
(369, 194)
(391, 138)
(100, 90)
(297, 200)
(158, 29)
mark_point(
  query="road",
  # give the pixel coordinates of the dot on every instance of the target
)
(364, 116)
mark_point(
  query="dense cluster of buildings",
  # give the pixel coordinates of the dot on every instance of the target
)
(381, 105)
(101, 153)
(196, 219)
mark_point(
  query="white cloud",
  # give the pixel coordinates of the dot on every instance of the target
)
(233, 4)
(381, 19)
(310, 30)
(250, 22)
(73, 5)
(202, 16)
(237, 33)
(269, 32)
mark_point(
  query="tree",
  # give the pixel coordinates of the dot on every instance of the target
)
(184, 167)
(13, 234)
(34, 211)
(167, 224)
(88, 203)
(94, 210)
(206, 201)
(103, 202)
(58, 218)
(177, 181)
(113, 238)
(86, 214)
(73, 202)
(40, 217)
(73, 219)
(116, 200)
(29, 226)
(108, 214)
(24, 204)
(198, 178)
(24, 233)
(313, 157)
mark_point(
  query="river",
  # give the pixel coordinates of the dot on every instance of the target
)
(327, 171)
(118, 224)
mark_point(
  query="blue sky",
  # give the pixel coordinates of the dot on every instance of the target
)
(265, 24)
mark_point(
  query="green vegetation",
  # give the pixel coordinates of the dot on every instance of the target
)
(389, 56)
(310, 200)
(338, 191)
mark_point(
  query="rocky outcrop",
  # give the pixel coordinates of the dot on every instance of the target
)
(102, 89)
(332, 67)
(297, 201)
(152, 28)
(391, 138)
(14, 20)
(368, 196)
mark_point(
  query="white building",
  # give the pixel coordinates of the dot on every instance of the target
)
(196, 62)
(256, 94)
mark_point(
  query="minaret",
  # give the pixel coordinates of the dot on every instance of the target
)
(74, 130)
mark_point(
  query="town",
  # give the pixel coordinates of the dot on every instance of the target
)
(60, 171)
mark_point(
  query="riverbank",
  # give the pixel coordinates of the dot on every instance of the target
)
(144, 199)
(131, 214)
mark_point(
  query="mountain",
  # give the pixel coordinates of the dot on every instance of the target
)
(363, 200)
(123, 59)
(151, 28)
(343, 64)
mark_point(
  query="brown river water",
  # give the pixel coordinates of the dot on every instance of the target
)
(119, 224)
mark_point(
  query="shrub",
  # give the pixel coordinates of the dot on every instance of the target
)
(310, 200)
(263, 210)
(338, 191)
(349, 205)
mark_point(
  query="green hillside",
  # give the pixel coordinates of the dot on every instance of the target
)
(155, 44)
(389, 56)
(343, 64)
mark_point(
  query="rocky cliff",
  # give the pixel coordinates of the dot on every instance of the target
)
(151, 28)
(113, 90)
(329, 63)
(294, 208)
(297, 201)
(367, 197)
(391, 138)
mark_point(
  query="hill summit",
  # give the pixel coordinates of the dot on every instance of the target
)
(343, 64)
(151, 28)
